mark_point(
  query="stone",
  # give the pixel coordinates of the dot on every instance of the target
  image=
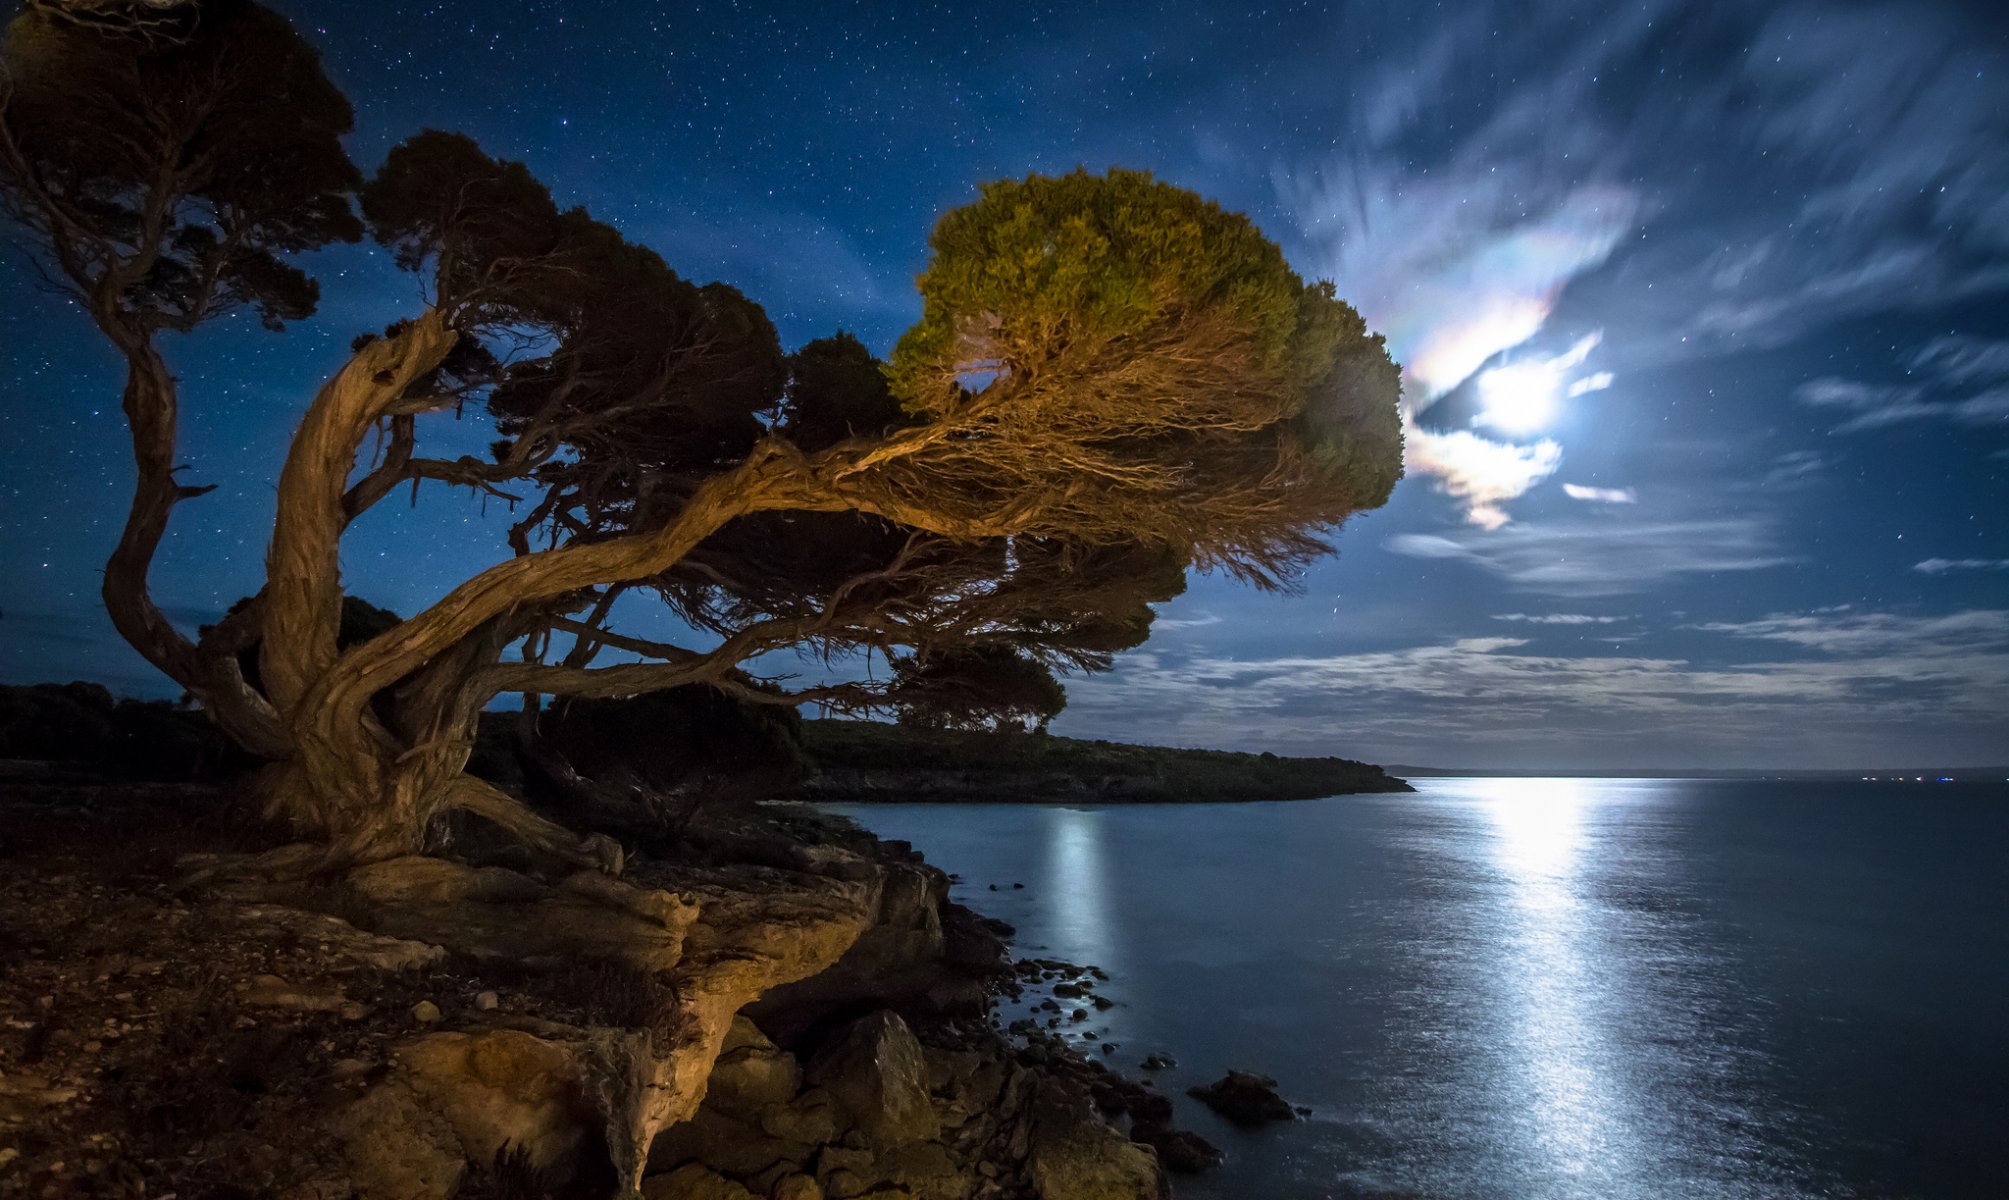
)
(343, 947)
(811, 1117)
(727, 1144)
(693, 1182)
(795, 1187)
(876, 1071)
(1074, 1155)
(1184, 1151)
(270, 991)
(495, 913)
(1246, 1099)
(502, 1088)
(752, 1072)
(398, 1147)
(487, 1001)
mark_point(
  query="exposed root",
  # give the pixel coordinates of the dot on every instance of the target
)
(594, 851)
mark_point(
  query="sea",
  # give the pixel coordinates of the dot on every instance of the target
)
(1532, 988)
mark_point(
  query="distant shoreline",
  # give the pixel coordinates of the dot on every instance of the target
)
(867, 762)
(1983, 774)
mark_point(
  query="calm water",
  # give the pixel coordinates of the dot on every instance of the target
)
(1546, 988)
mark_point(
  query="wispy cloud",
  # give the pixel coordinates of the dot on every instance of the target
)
(1600, 495)
(1592, 557)
(1862, 680)
(1558, 618)
(1940, 566)
(1876, 406)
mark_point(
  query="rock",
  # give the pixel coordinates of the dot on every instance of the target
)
(726, 1144)
(502, 1088)
(752, 1072)
(1184, 1151)
(270, 991)
(1158, 1062)
(487, 1001)
(693, 1182)
(875, 1069)
(425, 1012)
(344, 1069)
(795, 1187)
(342, 946)
(1074, 1155)
(398, 1147)
(495, 913)
(810, 1117)
(1246, 1099)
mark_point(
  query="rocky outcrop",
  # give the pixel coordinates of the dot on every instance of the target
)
(1246, 1099)
(883, 1116)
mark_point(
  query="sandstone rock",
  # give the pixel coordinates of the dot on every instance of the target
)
(1074, 1155)
(876, 1071)
(726, 1144)
(1182, 1150)
(270, 991)
(693, 1182)
(812, 1116)
(752, 1072)
(398, 1147)
(1246, 1099)
(502, 1087)
(494, 913)
(795, 1187)
(343, 946)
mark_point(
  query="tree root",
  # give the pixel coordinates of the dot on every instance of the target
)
(594, 851)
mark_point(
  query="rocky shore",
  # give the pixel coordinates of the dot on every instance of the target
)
(778, 1006)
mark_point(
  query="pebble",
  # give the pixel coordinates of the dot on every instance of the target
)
(425, 1012)
(487, 1001)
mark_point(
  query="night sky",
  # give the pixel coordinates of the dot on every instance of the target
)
(1704, 311)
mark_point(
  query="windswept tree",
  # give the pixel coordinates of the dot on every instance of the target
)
(1112, 381)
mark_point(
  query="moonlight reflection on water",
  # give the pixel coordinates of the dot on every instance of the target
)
(1552, 989)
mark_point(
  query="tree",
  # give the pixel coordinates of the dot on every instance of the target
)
(1112, 381)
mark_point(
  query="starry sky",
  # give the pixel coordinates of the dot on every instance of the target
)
(1703, 310)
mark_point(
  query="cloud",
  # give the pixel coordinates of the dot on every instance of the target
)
(1865, 682)
(1796, 468)
(1940, 566)
(1558, 618)
(1851, 632)
(1605, 557)
(1481, 473)
(1601, 495)
(1876, 406)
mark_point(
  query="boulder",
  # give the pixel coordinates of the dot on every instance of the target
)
(1075, 1155)
(693, 1182)
(875, 1069)
(752, 1072)
(1246, 1099)
(398, 1147)
(499, 914)
(502, 1088)
(811, 1116)
(726, 1144)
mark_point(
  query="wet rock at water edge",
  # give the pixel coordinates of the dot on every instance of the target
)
(1245, 1098)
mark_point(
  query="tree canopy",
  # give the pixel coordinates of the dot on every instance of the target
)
(1113, 381)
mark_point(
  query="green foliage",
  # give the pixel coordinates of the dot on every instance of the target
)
(669, 738)
(173, 164)
(1084, 255)
(976, 687)
(837, 390)
(1028, 767)
(83, 723)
